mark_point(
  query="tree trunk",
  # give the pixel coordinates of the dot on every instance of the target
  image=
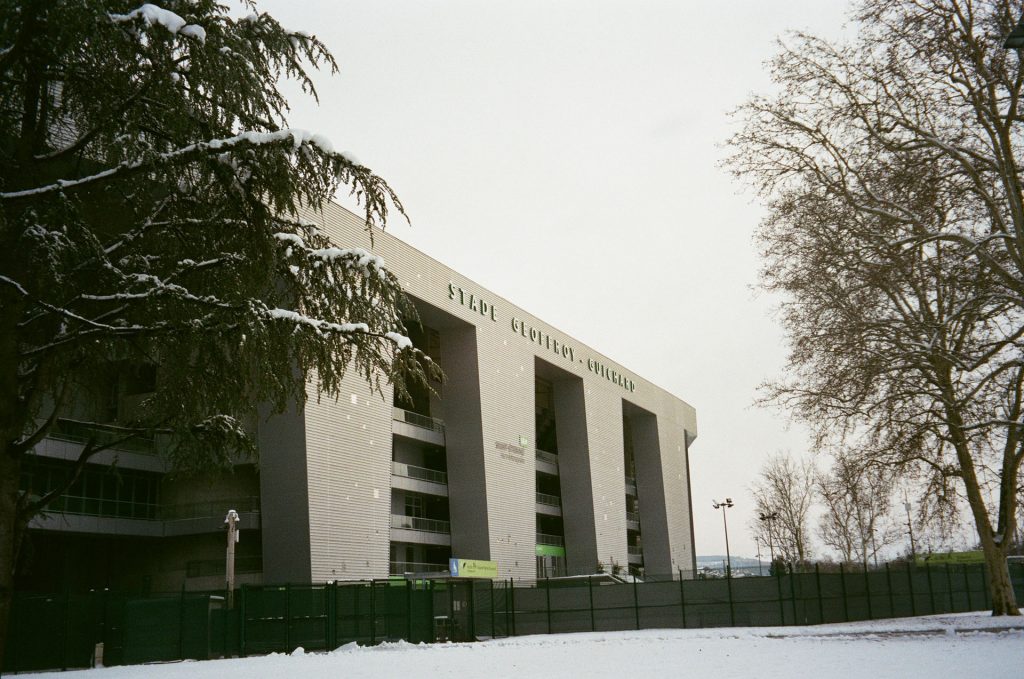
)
(1004, 600)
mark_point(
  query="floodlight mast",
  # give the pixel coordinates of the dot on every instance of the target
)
(725, 524)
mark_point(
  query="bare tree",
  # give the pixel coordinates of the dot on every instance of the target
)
(784, 493)
(895, 232)
(857, 500)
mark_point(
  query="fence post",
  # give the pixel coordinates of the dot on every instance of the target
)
(288, 618)
(792, 593)
(472, 609)
(682, 597)
(547, 598)
(967, 586)
(512, 595)
(984, 586)
(732, 609)
(636, 603)
(181, 623)
(590, 592)
(241, 621)
(867, 592)
(494, 635)
(332, 622)
(373, 610)
(888, 586)
(67, 631)
(949, 588)
(782, 600)
(408, 611)
(931, 589)
(910, 582)
(817, 582)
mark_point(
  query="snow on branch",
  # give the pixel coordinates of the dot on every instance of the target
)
(152, 15)
(317, 324)
(367, 262)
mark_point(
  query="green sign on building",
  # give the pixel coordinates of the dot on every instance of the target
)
(470, 568)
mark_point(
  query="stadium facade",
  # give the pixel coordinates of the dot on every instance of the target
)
(536, 453)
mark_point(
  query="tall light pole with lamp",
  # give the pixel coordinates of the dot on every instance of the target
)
(767, 518)
(723, 506)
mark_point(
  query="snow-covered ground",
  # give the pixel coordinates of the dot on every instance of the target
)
(961, 646)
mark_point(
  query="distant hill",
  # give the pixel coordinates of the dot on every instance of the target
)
(716, 561)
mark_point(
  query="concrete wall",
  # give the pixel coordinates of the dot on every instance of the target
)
(488, 350)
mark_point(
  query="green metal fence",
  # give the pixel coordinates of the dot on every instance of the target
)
(62, 631)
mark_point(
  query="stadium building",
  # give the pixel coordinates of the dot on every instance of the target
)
(537, 453)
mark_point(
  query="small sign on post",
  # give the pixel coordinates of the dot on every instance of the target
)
(232, 521)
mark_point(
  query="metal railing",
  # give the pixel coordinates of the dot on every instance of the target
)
(104, 435)
(84, 505)
(206, 510)
(417, 420)
(420, 473)
(545, 456)
(550, 500)
(633, 517)
(631, 485)
(401, 567)
(635, 550)
(550, 540)
(420, 524)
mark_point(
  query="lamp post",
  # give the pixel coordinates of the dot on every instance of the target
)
(768, 518)
(232, 525)
(723, 506)
(757, 545)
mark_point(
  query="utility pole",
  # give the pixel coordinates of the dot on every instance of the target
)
(232, 521)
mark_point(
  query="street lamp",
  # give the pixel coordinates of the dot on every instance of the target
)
(768, 519)
(728, 558)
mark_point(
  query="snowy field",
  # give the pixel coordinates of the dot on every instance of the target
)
(960, 646)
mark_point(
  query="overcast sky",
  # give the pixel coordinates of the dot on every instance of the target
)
(565, 156)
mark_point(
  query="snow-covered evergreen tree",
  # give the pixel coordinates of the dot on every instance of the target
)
(149, 215)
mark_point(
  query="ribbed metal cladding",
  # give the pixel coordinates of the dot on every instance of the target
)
(488, 348)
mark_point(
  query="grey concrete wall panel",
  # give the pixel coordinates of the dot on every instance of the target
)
(581, 553)
(488, 408)
(284, 498)
(650, 486)
(349, 460)
(460, 410)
